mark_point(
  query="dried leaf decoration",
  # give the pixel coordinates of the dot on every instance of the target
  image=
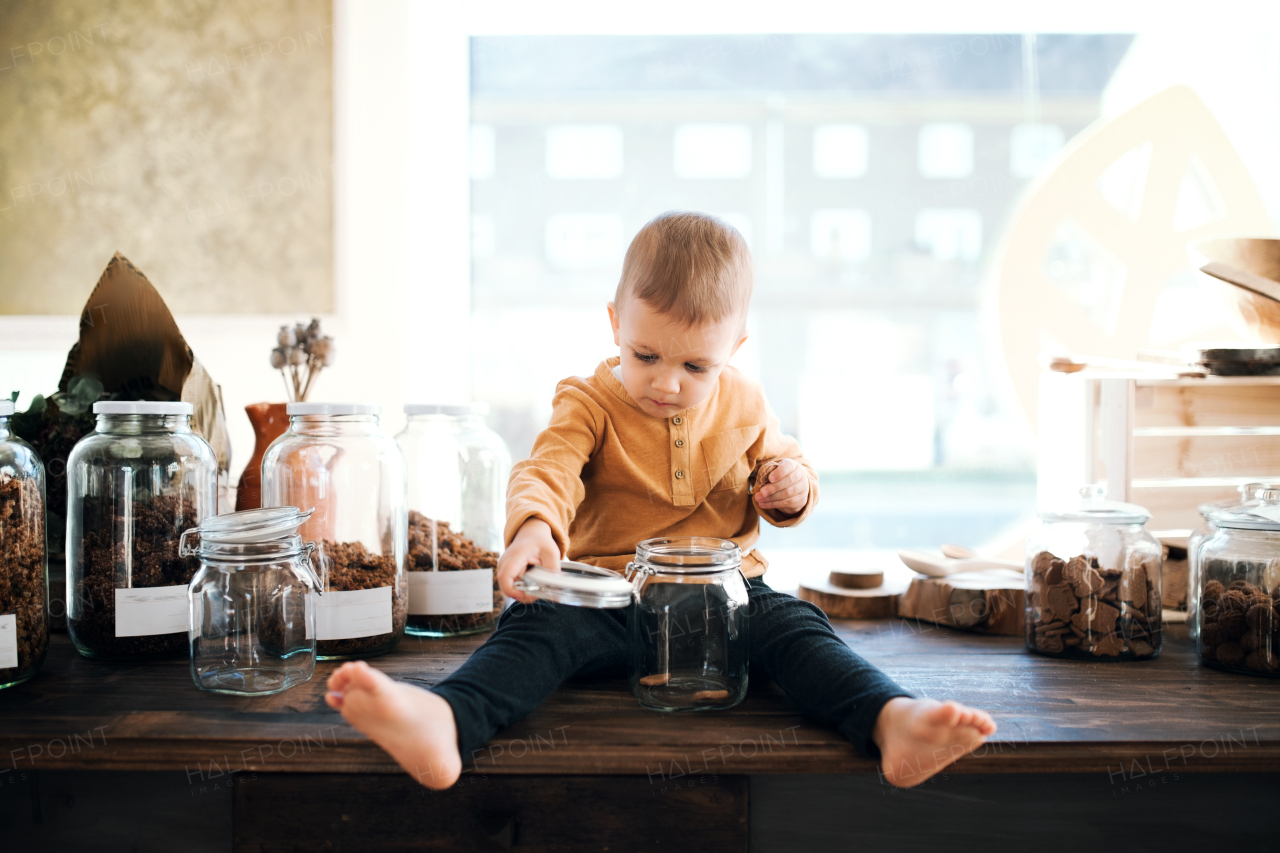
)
(131, 344)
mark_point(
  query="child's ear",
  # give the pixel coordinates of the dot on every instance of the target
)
(742, 340)
(613, 321)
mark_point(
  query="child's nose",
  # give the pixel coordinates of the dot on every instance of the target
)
(667, 383)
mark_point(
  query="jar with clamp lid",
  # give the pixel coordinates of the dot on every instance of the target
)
(686, 619)
(1093, 577)
(252, 625)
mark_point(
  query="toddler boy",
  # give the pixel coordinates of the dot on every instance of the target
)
(661, 441)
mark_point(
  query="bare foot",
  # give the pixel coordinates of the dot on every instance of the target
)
(920, 737)
(414, 726)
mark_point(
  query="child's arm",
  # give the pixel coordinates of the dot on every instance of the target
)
(788, 491)
(545, 489)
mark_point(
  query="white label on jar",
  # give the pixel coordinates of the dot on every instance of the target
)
(353, 614)
(447, 593)
(8, 641)
(152, 610)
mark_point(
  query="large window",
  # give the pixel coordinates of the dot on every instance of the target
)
(871, 176)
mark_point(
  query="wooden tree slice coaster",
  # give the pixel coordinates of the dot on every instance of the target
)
(856, 579)
(876, 602)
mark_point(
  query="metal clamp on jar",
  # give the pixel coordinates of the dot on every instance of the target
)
(686, 622)
(252, 628)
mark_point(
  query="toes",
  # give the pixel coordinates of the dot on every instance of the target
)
(947, 715)
(361, 676)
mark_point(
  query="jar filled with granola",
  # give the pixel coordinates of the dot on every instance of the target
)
(458, 471)
(24, 575)
(335, 459)
(134, 485)
(1093, 582)
(1238, 623)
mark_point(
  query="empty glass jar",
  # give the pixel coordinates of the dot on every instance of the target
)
(335, 459)
(1238, 624)
(1093, 582)
(24, 576)
(688, 626)
(252, 628)
(686, 623)
(458, 471)
(134, 485)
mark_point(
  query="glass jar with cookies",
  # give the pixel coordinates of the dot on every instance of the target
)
(1093, 582)
(1238, 627)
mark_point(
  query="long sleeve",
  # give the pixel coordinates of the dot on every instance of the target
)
(548, 485)
(778, 445)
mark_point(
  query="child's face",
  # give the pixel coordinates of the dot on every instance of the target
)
(667, 366)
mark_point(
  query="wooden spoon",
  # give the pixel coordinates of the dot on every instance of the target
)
(934, 566)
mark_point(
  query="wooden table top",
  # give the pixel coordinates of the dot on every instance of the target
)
(1053, 715)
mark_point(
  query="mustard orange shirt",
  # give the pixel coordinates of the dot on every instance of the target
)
(605, 475)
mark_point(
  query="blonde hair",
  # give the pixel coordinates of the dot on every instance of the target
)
(689, 265)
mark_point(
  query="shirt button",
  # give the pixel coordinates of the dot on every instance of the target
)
(677, 420)
(679, 475)
(679, 442)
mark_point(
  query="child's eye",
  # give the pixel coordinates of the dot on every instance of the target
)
(693, 368)
(647, 359)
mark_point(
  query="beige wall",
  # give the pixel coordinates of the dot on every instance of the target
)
(194, 137)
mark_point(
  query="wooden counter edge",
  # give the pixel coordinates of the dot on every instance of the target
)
(208, 759)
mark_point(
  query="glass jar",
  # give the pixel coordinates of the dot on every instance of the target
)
(1093, 582)
(687, 622)
(458, 471)
(1207, 528)
(1238, 628)
(24, 571)
(252, 626)
(134, 485)
(335, 459)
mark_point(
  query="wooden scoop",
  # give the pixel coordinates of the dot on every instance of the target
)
(934, 566)
(1250, 281)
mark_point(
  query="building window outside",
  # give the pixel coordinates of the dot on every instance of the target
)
(945, 151)
(705, 151)
(590, 152)
(950, 235)
(841, 234)
(1032, 147)
(839, 151)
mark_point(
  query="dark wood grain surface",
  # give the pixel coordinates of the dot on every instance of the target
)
(1054, 716)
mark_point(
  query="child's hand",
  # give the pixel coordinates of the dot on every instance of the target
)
(787, 490)
(533, 544)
